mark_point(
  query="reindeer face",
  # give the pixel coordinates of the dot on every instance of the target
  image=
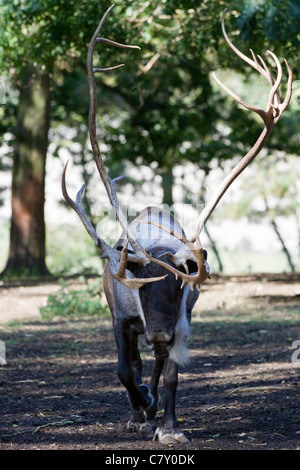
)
(161, 303)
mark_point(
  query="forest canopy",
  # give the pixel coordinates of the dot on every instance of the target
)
(161, 110)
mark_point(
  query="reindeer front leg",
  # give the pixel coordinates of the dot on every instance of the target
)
(129, 373)
(158, 367)
(169, 432)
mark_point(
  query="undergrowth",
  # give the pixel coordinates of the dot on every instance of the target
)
(76, 301)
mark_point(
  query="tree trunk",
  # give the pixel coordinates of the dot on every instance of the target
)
(167, 185)
(27, 251)
(284, 247)
(215, 249)
(276, 230)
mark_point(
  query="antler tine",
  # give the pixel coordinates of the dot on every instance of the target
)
(192, 280)
(263, 70)
(77, 206)
(107, 69)
(271, 79)
(196, 254)
(117, 259)
(244, 103)
(116, 44)
(274, 97)
(288, 96)
(107, 251)
(131, 282)
(254, 63)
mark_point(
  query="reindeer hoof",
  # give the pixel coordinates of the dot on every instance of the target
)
(144, 430)
(165, 436)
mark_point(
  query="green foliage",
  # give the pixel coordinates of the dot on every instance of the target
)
(161, 107)
(163, 98)
(75, 302)
(164, 93)
(276, 21)
(45, 31)
(21, 273)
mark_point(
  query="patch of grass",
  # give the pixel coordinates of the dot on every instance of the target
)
(85, 300)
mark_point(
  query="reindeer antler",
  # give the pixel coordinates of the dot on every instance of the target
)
(117, 259)
(108, 183)
(190, 250)
(270, 117)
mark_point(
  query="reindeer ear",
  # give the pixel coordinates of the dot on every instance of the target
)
(132, 267)
(205, 255)
(120, 248)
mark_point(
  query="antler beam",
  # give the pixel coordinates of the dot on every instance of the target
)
(117, 259)
(108, 183)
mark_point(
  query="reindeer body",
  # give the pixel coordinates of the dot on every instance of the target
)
(160, 310)
(153, 275)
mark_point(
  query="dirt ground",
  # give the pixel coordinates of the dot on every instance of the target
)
(59, 388)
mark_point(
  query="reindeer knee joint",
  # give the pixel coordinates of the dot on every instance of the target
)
(125, 375)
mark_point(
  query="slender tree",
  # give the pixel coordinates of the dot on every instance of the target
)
(27, 234)
(37, 41)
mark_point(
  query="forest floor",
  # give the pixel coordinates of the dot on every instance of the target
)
(59, 388)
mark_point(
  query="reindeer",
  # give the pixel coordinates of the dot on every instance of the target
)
(152, 277)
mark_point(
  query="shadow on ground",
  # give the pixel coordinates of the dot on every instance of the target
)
(59, 389)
